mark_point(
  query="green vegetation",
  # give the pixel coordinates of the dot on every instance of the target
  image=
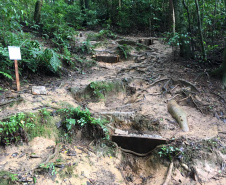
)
(7, 178)
(102, 88)
(98, 90)
(86, 47)
(170, 152)
(68, 172)
(9, 129)
(75, 118)
(103, 34)
(124, 50)
(49, 168)
(24, 127)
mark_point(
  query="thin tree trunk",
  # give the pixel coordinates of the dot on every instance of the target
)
(86, 4)
(221, 71)
(200, 31)
(120, 4)
(213, 27)
(150, 19)
(37, 14)
(190, 29)
(172, 17)
(181, 29)
(149, 26)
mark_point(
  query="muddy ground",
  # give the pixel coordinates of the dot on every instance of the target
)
(150, 78)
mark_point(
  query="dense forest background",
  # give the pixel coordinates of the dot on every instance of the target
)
(195, 28)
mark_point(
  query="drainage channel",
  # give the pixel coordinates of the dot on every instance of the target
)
(140, 145)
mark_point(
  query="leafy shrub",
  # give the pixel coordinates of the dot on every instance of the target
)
(124, 50)
(75, 118)
(36, 59)
(82, 63)
(24, 127)
(104, 33)
(170, 152)
(12, 130)
(85, 48)
(6, 75)
(101, 88)
(8, 178)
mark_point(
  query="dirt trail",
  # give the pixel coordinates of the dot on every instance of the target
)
(142, 109)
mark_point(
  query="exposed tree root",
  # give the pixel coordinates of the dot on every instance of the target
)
(179, 114)
(169, 174)
(11, 101)
(196, 104)
(187, 83)
(173, 97)
(131, 152)
(158, 81)
(174, 82)
(51, 156)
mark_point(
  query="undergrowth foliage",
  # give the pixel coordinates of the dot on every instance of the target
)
(24, 127)
(76, 118)
(11, 131)
(35, 58)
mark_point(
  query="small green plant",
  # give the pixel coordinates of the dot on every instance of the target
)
(169, 152)
(8, 178)
(6, 75)
(13, 177)
(44, 112)
(83, 63)
(76, 118)
(104, 33)
(100, 88)
(24, 127)
(69, 169)
(124, 50)
(44, 115)
(49, 167)
(10, 130)
(85, 48)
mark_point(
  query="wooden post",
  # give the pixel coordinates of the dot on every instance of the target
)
(17, 75)
(14, 54)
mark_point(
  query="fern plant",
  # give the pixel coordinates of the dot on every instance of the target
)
(124, 50)
(37, 59)
(6, 75)
(50, 58)
(76, 117)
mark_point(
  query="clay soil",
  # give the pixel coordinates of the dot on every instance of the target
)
(152, 77)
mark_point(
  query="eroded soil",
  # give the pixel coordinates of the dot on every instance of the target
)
(151, 77)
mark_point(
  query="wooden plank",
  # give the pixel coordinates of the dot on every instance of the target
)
(108, 59)
(146, 42)
(137, 144)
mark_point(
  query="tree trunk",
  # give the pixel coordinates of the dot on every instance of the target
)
(185, 49)
(37, 14)
(172, 17)
(221, 71)
(200, 31)
(190, 30)
(86, 4)
(120, 4)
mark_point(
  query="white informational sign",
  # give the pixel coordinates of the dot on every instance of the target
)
(14, 53)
